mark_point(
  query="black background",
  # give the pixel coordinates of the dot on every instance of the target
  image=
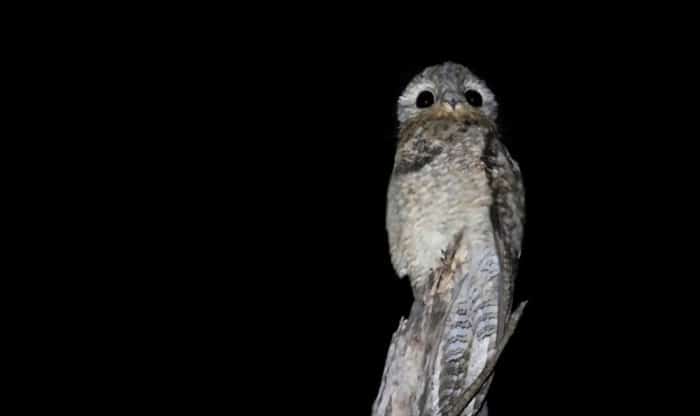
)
(202, 223)
(269, 201)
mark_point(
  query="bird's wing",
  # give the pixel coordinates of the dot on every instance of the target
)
(468, 333)
(507, 217)
(475, 322)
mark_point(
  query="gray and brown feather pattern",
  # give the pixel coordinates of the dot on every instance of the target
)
(455, 216)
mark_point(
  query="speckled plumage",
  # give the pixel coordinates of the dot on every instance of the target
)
(452, 174)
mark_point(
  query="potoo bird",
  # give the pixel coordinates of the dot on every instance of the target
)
(454, 178)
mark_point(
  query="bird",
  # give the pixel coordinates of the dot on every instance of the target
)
(453, 178)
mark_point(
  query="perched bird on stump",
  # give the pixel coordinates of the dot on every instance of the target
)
(454, 185)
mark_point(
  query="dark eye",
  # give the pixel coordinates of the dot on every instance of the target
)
(473, 98)
(425, 99)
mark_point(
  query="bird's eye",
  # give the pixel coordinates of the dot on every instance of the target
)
(473, 98)
(425, 99)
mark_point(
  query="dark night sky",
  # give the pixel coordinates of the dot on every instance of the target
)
(292, 159)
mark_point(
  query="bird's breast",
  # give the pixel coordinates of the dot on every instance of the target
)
(439, 187)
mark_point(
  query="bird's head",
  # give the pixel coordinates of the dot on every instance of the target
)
(448, 90)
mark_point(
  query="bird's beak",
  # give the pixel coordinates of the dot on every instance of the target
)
(447, 106)
(453, 106)
(451, 101)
